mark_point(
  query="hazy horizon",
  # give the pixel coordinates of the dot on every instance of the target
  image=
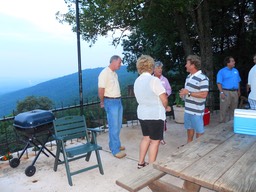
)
(35, 47)
(8, 85)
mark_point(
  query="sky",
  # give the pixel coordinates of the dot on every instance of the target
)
(35, 47)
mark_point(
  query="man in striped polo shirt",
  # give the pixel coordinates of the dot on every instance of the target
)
(194, 93)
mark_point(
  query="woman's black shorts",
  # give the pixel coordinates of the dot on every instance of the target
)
(152, 128)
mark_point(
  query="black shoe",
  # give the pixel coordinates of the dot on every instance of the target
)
(142, 165)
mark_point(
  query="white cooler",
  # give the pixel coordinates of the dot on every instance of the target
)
(245, 121)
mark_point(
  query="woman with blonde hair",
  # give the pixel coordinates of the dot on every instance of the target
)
(152, 106)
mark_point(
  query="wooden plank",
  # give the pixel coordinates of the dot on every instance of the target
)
(139, 178)
(163, 186)
(241, 176)
(220, 127)
(192, 152)
(207, 170)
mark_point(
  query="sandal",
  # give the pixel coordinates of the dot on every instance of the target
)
(142, 165)
(163, 142)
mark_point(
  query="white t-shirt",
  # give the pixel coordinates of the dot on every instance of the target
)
(147, 89)
(252, 82)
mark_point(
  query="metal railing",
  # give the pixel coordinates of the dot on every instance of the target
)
(95, 117)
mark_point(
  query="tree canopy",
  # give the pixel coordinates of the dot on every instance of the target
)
(171, 30)
(32, 102)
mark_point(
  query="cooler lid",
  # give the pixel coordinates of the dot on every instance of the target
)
(249, 113)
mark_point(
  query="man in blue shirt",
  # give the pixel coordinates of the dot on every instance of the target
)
(228, 82)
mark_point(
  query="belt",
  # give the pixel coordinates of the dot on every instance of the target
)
(112, 97)
(231, 89)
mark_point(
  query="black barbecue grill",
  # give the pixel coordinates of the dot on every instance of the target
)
(34, 128)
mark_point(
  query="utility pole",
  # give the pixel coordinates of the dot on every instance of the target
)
(79, 59)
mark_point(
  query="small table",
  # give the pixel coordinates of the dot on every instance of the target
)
(220, 160)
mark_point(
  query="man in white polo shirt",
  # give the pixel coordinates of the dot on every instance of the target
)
(110, 99)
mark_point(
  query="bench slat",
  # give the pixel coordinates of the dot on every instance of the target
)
(140, 178)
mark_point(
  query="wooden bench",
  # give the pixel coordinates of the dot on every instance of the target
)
(147, 176)
(152, 177)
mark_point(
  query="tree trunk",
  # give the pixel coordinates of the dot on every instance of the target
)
(202, 22)
(184, 35)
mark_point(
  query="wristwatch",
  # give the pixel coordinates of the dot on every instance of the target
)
(189, 93)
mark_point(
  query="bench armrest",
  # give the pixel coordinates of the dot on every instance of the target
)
(94, 132)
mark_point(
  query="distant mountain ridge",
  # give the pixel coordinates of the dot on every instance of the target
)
(64, 91)
(8, 84)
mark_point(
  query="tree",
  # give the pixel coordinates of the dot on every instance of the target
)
(32, 102)
(151, 25)
(170, 30)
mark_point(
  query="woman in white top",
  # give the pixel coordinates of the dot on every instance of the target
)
(153, 104)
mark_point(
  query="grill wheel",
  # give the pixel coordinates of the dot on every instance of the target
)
(14, 162)
(30, 170)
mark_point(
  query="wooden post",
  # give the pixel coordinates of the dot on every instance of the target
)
(162, 186)
(191, 187)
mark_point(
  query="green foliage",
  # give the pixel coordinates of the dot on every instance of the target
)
(150, 25)
(32, 102)
(179, 101)
(7, 138)
(130, 109)
(169, 30)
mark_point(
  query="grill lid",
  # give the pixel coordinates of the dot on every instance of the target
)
(33, 119)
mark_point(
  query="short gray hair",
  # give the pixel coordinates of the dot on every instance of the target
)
(158, 64)
(114, 57)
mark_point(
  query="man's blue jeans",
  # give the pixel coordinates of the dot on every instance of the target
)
(114, 110)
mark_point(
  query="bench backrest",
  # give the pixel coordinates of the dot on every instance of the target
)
(70, 127)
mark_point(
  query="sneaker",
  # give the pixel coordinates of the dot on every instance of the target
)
(120, 155)
(122, 148)
(142, 165)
